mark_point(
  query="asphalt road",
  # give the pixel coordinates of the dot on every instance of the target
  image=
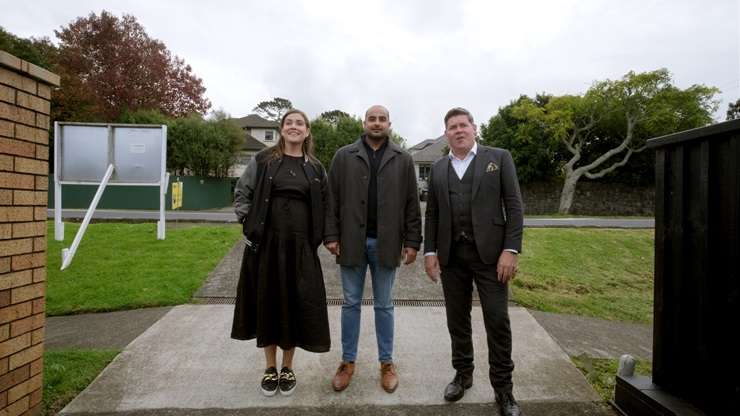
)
(228, 216)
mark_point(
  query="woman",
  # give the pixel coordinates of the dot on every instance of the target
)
(282, 202)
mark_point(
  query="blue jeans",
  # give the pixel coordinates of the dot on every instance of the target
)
(353, 283)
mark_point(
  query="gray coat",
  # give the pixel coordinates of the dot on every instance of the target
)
(399, 215)
(497, 209)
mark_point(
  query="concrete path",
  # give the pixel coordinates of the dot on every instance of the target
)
(576, 334)
(227, 215)
(411, 282)
(112, 330)
(597, 338)
(187, 364)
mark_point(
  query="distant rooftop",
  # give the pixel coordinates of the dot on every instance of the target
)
(255, 121)
(429, 150)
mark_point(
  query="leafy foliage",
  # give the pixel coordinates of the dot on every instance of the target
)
(330, 133)
(36, 51)
(733, 110)
(109, 65)
(536, 154)
(274, 109)
(596, 133)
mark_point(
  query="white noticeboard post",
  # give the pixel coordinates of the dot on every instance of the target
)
(107, 154)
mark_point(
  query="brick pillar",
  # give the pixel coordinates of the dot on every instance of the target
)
(25, 91)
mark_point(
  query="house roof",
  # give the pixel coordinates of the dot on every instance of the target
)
(255, 121)
(429, 150)
(421, 145)
(251, 144)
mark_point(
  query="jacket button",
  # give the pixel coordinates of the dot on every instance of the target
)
(362, 225)
(362, 202)
(267, 199)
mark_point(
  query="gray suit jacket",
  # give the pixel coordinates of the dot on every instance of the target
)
(497, 208)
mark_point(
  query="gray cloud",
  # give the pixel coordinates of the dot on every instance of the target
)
(420, 58)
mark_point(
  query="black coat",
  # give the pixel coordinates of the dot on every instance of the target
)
(497, 208)
(252, 198)
(399, 215)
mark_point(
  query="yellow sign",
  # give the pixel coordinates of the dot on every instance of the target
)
(176, 195)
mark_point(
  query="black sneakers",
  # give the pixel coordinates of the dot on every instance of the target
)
(269, 383)
(287, 381)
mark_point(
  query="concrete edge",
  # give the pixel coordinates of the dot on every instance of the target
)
(530, 408)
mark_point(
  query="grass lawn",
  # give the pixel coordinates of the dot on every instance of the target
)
(124, 266)
(601, 373)
(68, 372)
(604, 273)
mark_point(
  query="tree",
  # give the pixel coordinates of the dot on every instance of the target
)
(536, 156)
(733, 110)
(36, 51)
(274, 109)
(109, 65)
(333, 117)
(330, 137)
(619, 116)
(596, 133)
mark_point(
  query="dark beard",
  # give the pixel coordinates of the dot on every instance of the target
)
(378, 140)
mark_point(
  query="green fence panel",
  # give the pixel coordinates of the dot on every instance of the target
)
(198, 193)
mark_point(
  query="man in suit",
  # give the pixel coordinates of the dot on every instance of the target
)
(473, 234)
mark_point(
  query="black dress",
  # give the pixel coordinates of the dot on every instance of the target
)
(281, 299)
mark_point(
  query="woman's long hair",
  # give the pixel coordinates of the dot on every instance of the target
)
(308, 145)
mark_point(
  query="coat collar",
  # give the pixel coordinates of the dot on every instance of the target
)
(358, 149)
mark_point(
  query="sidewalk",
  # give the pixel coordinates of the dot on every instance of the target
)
(186, 364)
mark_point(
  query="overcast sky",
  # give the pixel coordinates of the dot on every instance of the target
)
(420, 57)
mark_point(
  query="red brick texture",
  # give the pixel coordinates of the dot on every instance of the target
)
(25, 93)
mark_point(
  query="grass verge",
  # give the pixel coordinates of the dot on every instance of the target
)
(601, 373)
(123, 266)
(603, 273)
(68, 372)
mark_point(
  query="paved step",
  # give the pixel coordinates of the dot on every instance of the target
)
(187, 364)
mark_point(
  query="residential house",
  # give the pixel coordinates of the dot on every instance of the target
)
(259, 134)
(424, 155)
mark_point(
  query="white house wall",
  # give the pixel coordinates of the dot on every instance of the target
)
(259, 134)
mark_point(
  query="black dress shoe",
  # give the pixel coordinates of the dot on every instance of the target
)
(456, 389)
(508, 405)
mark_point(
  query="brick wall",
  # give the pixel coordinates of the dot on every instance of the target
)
(25, 91)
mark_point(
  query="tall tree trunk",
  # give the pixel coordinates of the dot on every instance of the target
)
(568, 192)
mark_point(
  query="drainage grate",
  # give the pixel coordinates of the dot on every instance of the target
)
(396, 302)
(215, 301)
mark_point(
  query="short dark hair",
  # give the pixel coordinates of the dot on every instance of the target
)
(458, 111)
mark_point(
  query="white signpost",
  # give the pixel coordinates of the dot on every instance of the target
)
(107, 154)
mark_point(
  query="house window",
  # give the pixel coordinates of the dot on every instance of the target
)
(424, 172)
(268, 136)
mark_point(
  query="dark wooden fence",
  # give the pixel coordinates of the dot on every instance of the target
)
(696, 345)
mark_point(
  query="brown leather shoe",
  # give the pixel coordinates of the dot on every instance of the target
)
(388, 377)
(343, 376)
